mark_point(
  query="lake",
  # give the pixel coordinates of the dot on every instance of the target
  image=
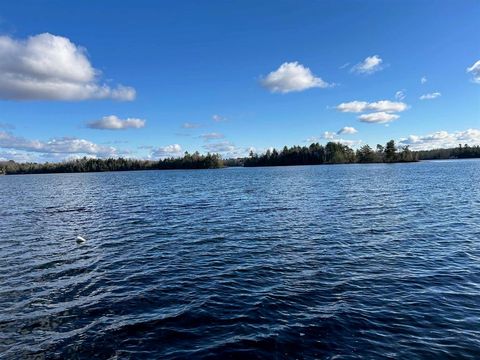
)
(330, 262)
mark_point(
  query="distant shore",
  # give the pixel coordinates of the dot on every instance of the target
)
(315, 154)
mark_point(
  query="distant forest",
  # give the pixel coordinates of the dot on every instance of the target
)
(188, 161)
(315, 154)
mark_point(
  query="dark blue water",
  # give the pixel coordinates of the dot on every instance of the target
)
(334, 262)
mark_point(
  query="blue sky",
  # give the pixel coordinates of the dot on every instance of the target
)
(150, 79)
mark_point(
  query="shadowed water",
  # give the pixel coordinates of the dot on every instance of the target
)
(335, 262)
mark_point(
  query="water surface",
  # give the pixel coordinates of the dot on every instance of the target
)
(334, 262)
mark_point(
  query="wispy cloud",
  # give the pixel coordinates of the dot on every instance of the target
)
(329, 135)
(7, 126)
(113, 122)
(430, 96)
(218, 118)
(220, 147)
(423, 79)
(212, 136)
(292, 77)
(369, 65)
(400, 95)
(50, 67)
(189, 125)
(474, 70)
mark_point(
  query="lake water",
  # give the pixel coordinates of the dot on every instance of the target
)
(334, 262)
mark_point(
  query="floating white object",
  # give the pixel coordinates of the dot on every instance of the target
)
(80, 240)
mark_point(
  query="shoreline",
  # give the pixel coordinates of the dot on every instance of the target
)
(236, 167)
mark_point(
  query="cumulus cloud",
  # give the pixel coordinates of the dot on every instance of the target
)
(400, 95)
(292, 77)
(387, 105)
(423, 79)
(347, 130)
(353, 106)
(50, 67)
(382, 105)
(442, 139)
(380, 117)
(474, 70)
(112, 122)
(370, 65)
(212, 136)
(62, 146)
(430, 96)
(189, 125)
(174, 150)
(383, 110)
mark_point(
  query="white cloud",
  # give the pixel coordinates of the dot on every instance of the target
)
(347, 130)
(50, 67)
(329, 135)
(63, 145)
(350, 143)
(387, 106)
(382, 105)
(475, 71)
(333, 136)
(430, 96)
(370, 65)
(400, 95)
(174, 150)
(423, 79)
(353, 106)
(112, 122)
(188, 125)
(378, 117)
(290, 77)
(218, 118)
(382, 110)
(442, 139)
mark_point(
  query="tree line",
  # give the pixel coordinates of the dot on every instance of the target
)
(188, 161)
(332, 153)
(460, 152)
(314, 154)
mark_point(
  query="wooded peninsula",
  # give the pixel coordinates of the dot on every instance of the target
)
(315, 154)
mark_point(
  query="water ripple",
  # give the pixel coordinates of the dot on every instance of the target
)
(335, 262)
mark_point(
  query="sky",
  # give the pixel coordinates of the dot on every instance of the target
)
(148, 80)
